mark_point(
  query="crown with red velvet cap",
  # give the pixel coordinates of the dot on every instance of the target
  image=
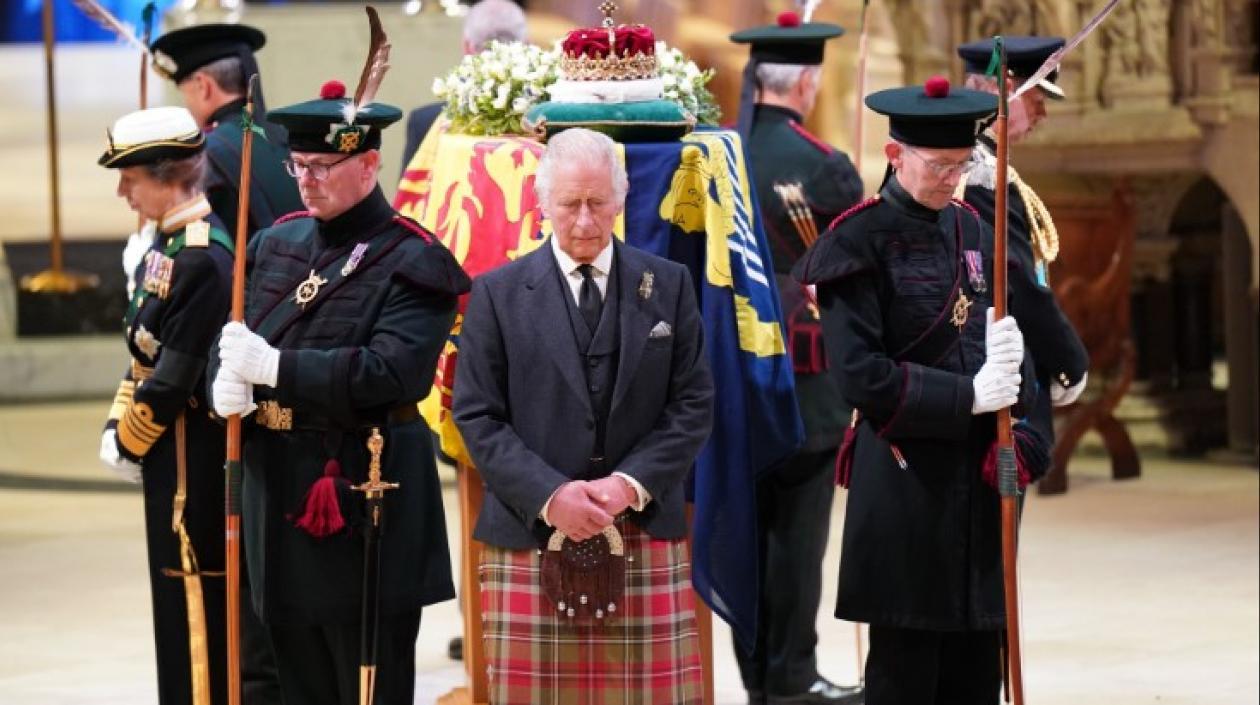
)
(610, 52)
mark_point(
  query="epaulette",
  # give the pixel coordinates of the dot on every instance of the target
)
(854, 209)
(414, 227)
(291, 216)
(819, 144)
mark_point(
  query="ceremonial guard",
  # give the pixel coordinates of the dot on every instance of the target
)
(211, 65)
(802, 184)
(904, 281)
(347, 308)
(1059, 357)
(159, 430)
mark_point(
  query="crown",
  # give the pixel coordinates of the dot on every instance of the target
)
(608, 52)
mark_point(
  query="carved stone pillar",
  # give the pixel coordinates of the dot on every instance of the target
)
(1152, 303)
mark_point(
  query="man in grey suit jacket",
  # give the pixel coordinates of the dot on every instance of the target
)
(583, 395)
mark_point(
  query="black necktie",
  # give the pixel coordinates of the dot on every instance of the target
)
(589, 301)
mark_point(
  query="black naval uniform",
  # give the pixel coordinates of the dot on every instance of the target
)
(794, 501)
(170, 324)
(272, 192)
(1059, 356)
(361, 354)
(920, 559)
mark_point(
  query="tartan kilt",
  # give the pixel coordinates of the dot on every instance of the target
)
(649, 655)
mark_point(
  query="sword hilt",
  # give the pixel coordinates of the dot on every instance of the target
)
(375, 488)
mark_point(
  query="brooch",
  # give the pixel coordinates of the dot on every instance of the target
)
(961, 308)
(645, 285)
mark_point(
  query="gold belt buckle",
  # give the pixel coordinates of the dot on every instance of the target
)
(273, 416)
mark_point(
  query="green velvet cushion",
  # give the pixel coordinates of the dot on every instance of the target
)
(643, 121)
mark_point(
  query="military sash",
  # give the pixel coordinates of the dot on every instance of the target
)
(272, 323)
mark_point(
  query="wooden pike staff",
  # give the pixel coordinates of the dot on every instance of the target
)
(860, 89)
(1008, 482)
(232, 495)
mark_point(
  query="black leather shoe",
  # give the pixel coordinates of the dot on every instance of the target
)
(822, 692)
(455, 648)
(756, 697)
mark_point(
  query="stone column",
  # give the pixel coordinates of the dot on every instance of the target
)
(1241, 328)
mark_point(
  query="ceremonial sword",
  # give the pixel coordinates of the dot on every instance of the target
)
(374, 494)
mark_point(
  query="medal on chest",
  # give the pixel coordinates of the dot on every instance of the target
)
(308, 289)
(355, 258)
(961, 308)
(158, 272)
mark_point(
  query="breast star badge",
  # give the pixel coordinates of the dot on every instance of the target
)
(308, 289)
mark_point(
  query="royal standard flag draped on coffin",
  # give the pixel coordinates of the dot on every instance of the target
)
(689, 201)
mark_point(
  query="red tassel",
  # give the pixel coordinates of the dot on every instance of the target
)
(322, 516)
(988, 470)
(844, 459)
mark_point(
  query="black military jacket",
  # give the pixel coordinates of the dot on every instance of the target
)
(1058, 355)
(183, 287)
(921, 546)
(782, 152)
(272, 191)
(360, 354)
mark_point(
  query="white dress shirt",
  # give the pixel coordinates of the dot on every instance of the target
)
(600, 269)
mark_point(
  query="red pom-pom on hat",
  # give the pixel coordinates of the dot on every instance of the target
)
(788, 18)
(936, 87)
(332, 90)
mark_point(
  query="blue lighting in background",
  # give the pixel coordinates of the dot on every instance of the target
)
(22, 20)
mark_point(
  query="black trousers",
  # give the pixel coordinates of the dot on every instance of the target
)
(916, 667)
(319, 663)
(793, 518)
(203, 520)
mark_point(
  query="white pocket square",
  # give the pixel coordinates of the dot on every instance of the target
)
(660, 330)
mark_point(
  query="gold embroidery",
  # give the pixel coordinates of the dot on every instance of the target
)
(122, 399)
(147, 342)
(137, 432)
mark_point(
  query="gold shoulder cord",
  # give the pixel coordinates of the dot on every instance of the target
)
(1045, 237)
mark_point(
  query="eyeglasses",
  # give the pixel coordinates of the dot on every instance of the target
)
(318, 171)
(947, 170)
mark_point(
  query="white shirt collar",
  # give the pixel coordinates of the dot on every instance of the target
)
(602, 263)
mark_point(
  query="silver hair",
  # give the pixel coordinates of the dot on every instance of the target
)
(578, 144)
(494, 20)
(186, 173)
(781, 78)
(227, 73)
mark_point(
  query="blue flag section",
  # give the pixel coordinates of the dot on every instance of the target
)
(693, 203)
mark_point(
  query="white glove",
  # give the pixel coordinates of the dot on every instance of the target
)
(996, 386)
(113, 460)
(1062, 396)
(246, 353)
(138, 244)
(1003, 341)
(232, 395)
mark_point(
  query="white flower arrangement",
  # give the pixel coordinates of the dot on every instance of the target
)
(489, 93)
(686, 84)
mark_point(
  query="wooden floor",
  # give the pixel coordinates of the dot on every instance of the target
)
(1144, 591)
